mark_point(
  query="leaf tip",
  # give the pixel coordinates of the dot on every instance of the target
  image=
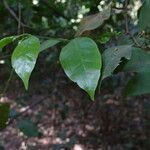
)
(91, 94)
(26, 84)
(92, 98)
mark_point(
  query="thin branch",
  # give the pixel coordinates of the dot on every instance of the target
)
(126, 17)
(13, 14)
(8, 82)
(19, 17)
(127, 30)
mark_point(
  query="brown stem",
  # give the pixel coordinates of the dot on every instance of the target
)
(126, 17)
(19, 18)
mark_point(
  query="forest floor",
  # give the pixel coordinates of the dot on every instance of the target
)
(68, 120)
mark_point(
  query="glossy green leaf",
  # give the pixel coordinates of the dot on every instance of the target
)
(112, 58)
(49, 43)
(139, 84)
(144, 17)
(140, 61)
(28, 128)
(4, 114)
(24, 58)
(5, 41)
(94, 21)
(81, 61)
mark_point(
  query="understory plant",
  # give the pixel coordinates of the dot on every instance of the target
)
(81, 58)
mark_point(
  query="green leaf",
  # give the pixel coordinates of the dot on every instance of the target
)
(94, 21)
(139, 84)
(140, 61)
(24, 58)
(49, 43)
(144, 17)
(4, 114)
(105, 37)
(28, 128)
(81, 61)
(112, 58)
(5, 41)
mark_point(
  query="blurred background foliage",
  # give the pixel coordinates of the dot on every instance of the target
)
(61, 18)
